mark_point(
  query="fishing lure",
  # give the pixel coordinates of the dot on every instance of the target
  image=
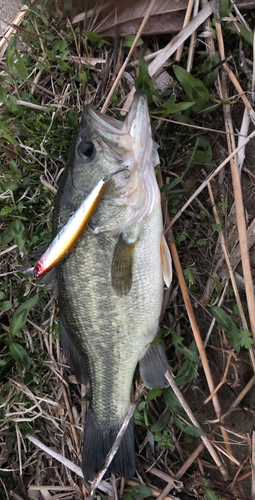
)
(69, 235)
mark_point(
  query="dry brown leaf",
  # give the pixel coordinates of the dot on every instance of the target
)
(125, 18)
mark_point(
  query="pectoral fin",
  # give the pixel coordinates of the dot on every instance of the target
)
(166, 261)
(122, 266)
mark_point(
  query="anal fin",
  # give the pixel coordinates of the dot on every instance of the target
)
(153, 367)
(122, 265)
(166, 261)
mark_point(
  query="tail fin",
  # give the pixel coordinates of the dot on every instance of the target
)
(97, 444)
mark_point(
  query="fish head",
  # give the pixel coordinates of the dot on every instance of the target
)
(98, 151)
(104, 146)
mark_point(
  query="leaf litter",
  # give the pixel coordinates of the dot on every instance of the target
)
(49, 69)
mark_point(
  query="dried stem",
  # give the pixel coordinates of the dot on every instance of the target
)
(70, 414)
(104, 486)
(56, 455)
(192, 40)
(19, 448)
(241, 224)
(190, 461)
(194, 421)
(214, 320)
(166, 477)
(209, 178)
(122, 69)
(230, 72)
(226, 255)
(207, 25)
(193, 323)
(239, 398)
(173, 45)
(185, 22)
(230, 270)
(240, 217)
(223, 380)
(181, 471)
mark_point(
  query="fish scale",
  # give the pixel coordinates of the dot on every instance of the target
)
(111, 284)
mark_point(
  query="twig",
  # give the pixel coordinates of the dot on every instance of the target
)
(232, 484)
(56, 455)
(104, 486)
(194, 421)
(157, 63)
(189, 125)
(185, 22)
(190, 461)
(207, 25)
(223, 380)
(122, 486)
(214, 320)
(124, 65)
(192, 40)
(35, 487)
(166, 477)
(245, 439)
(243, 133)
(209, 178)
(116, 443)
(19, 448)
(182, 471)
(8, 250)
(240, 217)
(224, 452)
(239, 398)
(70, 414)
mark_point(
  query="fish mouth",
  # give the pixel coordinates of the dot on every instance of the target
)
(122, 138)
(130, 143)
(137, 118)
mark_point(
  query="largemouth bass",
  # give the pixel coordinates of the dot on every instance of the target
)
(111, 283)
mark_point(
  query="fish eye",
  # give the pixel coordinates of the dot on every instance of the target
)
(86, 150)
